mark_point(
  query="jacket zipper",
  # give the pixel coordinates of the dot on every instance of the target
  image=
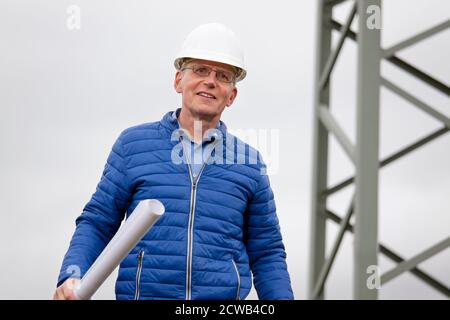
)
(194, 182)
(191, 230)
(238, 294)
(138, 274)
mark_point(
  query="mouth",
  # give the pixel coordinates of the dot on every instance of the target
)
(206, 95)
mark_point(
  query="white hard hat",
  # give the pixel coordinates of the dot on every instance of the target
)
(214, 42)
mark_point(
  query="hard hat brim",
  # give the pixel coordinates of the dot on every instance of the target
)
(212, 56)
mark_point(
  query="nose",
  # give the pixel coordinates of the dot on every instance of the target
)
(211, 79)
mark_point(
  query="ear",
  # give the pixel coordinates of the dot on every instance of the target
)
(177, 82)
(232, 96)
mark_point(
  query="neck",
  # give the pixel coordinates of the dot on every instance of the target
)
(196, 125)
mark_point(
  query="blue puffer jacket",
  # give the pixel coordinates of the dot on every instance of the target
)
(216, 232)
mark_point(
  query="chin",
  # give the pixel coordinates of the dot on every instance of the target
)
(207, 110)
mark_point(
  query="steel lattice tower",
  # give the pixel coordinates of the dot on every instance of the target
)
(365, 152)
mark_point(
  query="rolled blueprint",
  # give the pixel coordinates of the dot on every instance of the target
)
(143, 217)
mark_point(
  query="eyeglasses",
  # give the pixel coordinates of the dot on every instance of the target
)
(204, 71)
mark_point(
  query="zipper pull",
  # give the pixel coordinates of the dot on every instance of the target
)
(141, 255)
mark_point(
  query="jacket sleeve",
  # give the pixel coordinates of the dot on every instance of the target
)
(265, 246)
(101, 216)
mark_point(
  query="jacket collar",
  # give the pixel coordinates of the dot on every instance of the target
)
(170, 122)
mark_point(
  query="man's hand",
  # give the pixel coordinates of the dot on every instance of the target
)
(66, 290)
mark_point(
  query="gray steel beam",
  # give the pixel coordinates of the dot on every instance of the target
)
(442, 87)
(367, 145)
(333, 126)
(418, 37)
(406, 150)
(397, 258)
(413, 262)
(418, 103)
(337, 243)
(365, 152)
(325, 76)
(320, 151)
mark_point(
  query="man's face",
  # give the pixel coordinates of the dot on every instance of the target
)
(205, 96)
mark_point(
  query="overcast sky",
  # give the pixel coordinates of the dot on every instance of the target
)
(65, 95)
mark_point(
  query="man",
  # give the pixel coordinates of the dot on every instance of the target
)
(220, 225)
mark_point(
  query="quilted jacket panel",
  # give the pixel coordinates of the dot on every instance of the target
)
(233, 239)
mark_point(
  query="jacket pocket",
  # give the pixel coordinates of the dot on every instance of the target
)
(238, 277)
(138, 274)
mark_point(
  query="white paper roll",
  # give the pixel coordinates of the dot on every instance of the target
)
(143, 217)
